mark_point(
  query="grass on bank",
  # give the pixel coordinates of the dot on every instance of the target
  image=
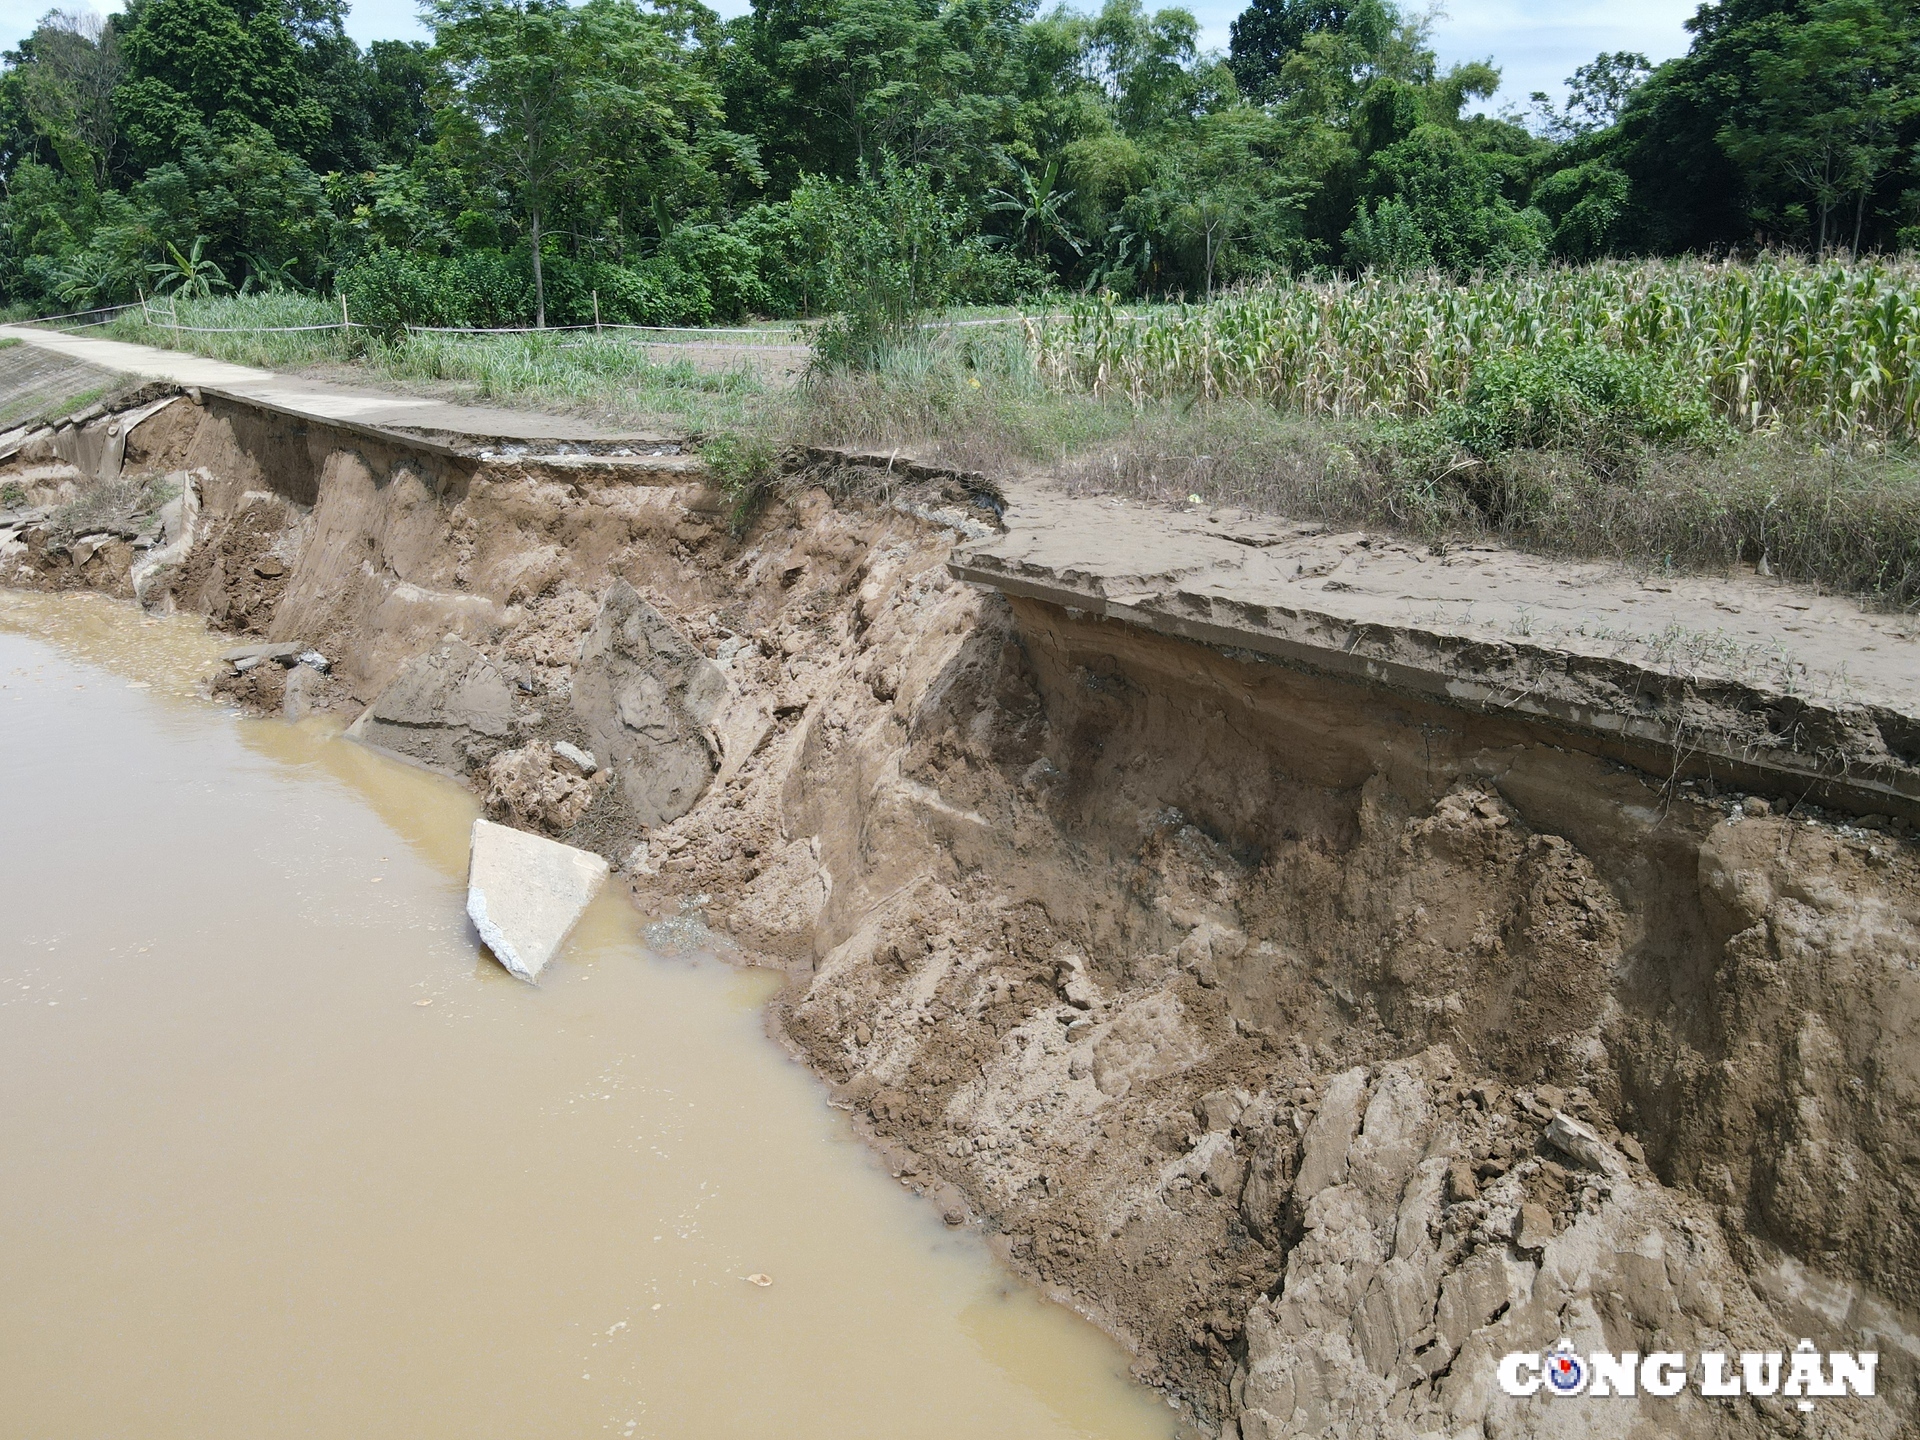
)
(609, 378)
(1556, 442)
(1841, 514)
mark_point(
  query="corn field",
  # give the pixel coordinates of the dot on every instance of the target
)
(1831, 347)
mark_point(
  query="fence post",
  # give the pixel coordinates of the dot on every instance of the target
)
(346, 320)
(596, 314)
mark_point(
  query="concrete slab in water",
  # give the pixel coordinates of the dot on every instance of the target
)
(524, 893)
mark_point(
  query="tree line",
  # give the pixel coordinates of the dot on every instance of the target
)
(543, 161)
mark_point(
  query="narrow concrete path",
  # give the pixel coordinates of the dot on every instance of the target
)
(1808, 697)
(1744, 629)
(317, 399)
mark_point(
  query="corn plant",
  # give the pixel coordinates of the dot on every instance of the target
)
(1833, 347)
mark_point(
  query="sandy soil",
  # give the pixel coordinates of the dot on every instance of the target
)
(1324, 1038)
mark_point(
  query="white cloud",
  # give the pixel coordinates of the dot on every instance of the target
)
(1537, 46)
(371, 20)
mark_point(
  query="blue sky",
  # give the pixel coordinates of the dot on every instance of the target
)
(1536, 44)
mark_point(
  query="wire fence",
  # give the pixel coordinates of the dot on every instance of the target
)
(110, 313)
(171, 321)
(347, 323)
(606, 325)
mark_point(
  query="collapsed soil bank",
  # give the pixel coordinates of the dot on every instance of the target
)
(1236, 1000)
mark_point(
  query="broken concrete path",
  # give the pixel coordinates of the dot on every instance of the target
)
(524, 894)
(1782, 690)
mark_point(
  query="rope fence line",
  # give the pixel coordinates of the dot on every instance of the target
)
(75, 314)
(347, 323)
(609, 325)
(576, 344)
(70, 329)
(250, 329)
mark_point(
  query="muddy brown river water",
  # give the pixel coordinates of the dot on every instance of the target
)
(282, 1153)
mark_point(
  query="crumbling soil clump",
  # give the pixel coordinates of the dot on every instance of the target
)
(1323, 1042)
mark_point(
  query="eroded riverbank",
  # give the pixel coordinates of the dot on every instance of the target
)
(286, 1154)
(1252, 968)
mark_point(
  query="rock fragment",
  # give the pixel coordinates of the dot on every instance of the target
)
(1331, 1134)
(287, 653)
(648, 698)
(1534, 1228)
(450, 709)
(581, 760)
(305, 687)
(525, 892)
(529, 787)
(1570, 1137)
(177, 519)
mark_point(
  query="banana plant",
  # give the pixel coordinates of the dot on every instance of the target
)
(1039, 206)
(88, 278)
(267, 275)
(189, 276)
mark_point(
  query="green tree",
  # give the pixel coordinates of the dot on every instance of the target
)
(1432, 187)
(1786, 121)
(883, 247)
(66, 89)
(400, 76)
(1587, 205)
(575, 108)
(207, 64)
(1145, 64)
(1231, 199)
(660, 152)
(828, 85)
(1832, 102)
(1040, 205)
(262, 210)
(1268, 33)
(1597, 93)
(516, 102)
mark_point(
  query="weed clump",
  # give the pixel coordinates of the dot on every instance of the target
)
(746, 471)
(113, 506)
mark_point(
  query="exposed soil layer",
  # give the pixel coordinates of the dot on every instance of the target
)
(1324, 1038)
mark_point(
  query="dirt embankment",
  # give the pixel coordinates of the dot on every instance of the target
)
(1324, 1041)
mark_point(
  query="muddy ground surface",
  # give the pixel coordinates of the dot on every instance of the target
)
(1323, 1038)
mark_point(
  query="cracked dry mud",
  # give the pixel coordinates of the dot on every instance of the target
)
(1322, 1040)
